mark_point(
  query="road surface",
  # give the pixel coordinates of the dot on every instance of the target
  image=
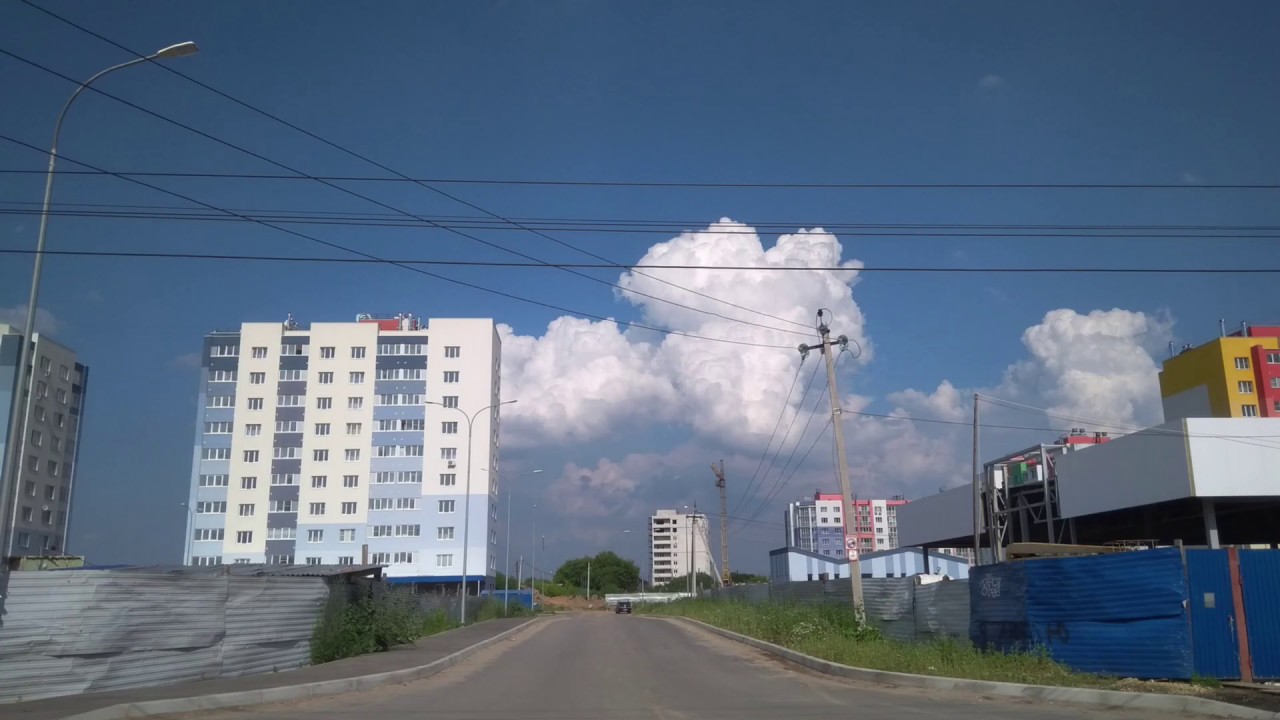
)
(596, 666)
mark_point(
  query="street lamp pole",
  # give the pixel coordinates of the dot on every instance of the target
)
(188, 546)
(466, 502)
(12, 462)
(506, 567)
(533, 561)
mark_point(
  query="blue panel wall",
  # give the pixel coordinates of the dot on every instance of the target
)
(998, 607)
(1216, 653)
(1260, 577)
(1120, 614)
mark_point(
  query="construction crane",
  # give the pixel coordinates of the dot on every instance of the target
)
(725, 577)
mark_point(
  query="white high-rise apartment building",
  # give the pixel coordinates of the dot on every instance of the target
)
(346, 442)
(678, 541)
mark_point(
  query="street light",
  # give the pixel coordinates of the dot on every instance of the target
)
(188, 547)
(466, 503)
(506, 574)
(17, 424)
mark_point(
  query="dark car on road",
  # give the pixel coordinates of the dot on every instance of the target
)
(623, 606)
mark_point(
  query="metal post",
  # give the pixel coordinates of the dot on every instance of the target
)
(842, 468)
(977, 488)
(588, 581)
(506, 566)
(533, 561)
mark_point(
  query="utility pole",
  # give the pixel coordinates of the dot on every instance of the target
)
(725, 577)
(977, 488)
(588, 580)
(842, 467)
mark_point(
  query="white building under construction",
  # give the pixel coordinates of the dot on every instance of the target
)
(678, 541)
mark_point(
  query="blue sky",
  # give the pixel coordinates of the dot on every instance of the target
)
(1100, 92)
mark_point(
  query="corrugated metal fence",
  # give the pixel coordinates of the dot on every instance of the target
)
(900, 608)
(78, 631)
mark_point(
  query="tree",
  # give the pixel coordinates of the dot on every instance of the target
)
(609, 573)
(680, 583)
(747, 578)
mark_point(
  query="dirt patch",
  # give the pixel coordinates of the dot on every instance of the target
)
(570, 603)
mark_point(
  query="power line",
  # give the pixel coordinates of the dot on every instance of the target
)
(380, 166)
(374, 258)
(746, 491)
(466, 223)
(327, 183)
(678, 184)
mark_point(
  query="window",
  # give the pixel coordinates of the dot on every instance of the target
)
(348, 508)
(61, 395)
(385, 451)
(216, 375)
(211, 508)
(26, 513)
(347, 535)
(408, 530)
(55, 444)
(451, 376)
(205, 454)
(357, 352)
(288, 426)
(313, 561)
(407, 503)
(452, 351)
(282, 533)
(350, 481)
(356, 378)
(1276, 407)
(1273, 358)
(252, 430)
(255, 403)
(447, 506)
(257, 378)
(42, 389)
(324, 403)
(286, 453)
(219, 401)
(444, 560)
(213, 481)
(320, 455)
(449, 453)
(1249, 410)
(346, 560)
(33, 462)
(1242, 363)
(315, 536)
(385, 425)
(39, 414)
(259, 352)
(379, 531)
(37, 438)
(449, 428)
(244, 537)
(289, 400)
(319, 481)
(225, 350)
(328, 352)
(248, 483)
(281, 506)
(448, 479)
(246, 510)
(450, 401)
(207, 534)
(242, 561)
(444, 533)
(380, 558)
(418, 424)
(384, 478)
(322, 428)
(1275, 383)
(206, 561)
(351, 455)
(317, 509)
(380, 503)
(326, 378)
(409, 476)
(284, 479)
(402, 557)
(1245, 387)
(280, 559)
(64, 372)
(355, 403)
(293, 349)
(46, 517)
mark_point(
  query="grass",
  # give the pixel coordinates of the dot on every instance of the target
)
(832, 632)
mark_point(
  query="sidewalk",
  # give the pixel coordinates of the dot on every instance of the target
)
(426, 650)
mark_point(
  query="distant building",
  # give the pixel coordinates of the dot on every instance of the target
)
(1235, 375)
(316, 445)
(678, 541)
(793, 565)
(52, 416)
(816, 525)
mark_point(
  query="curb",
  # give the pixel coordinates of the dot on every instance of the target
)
(1079, 696)
(286, 693)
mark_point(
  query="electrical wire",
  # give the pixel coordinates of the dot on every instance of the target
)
(779, 483)
(366, 198)
(411, 268)
(786, 403)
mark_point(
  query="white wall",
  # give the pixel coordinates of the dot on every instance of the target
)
(1138, 469)
(1234, 457)
(937, 518)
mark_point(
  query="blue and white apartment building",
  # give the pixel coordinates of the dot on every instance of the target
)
(346, 443)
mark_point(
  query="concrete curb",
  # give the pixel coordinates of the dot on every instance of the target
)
(1079, 696)
(286, 693)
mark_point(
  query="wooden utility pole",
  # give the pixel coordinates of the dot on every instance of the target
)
(842, 467)
(725, 577)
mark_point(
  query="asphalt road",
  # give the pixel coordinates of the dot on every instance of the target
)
(618, 667)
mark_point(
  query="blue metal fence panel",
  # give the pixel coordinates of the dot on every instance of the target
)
(998, 607)
(1120, 614)
(1214, 647)
(1260, 577)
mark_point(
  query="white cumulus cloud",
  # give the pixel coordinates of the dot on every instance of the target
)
(16, 316)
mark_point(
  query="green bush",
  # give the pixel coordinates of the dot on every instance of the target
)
(350, 627)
